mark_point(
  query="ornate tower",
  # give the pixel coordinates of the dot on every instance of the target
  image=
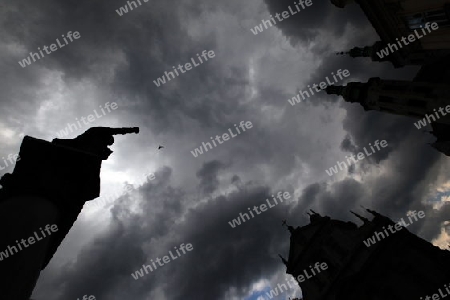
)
(367, 51)
(374, 52)
(400, 266)
(394, 20)
(409, 98)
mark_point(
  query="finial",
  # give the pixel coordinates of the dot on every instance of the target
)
(314, 217)
(365, 220)
(290, 228)
(372, 212)
(283, 260)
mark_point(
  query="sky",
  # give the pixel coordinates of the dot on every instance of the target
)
(192, 199)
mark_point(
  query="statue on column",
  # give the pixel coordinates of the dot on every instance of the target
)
(42, 198)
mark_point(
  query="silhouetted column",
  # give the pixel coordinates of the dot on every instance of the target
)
(20, 218)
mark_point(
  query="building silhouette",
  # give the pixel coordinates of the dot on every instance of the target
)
(409, 98)
(429, 91)
(399, 266)
(393, 20)
(49, 186)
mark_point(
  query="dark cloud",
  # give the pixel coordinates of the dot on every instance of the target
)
(208, 176)
(192, 199)
(305, 25)
(232, 256)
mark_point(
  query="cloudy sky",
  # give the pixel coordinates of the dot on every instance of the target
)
(192, 199)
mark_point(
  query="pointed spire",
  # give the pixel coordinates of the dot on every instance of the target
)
(354, 52)
(342, 53)
(367, 51)
(314, 216)
(360, 52)
(373, 212)
(290, 228)
(283, 260)
(354, 92)
(365, 220)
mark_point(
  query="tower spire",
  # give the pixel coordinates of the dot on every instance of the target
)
(342, 53)
(283, 260)
(373, 212)
(357, 52)
(365, 220)
(290, 228)
(314, 216)
(354, 92)
(367, 51)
